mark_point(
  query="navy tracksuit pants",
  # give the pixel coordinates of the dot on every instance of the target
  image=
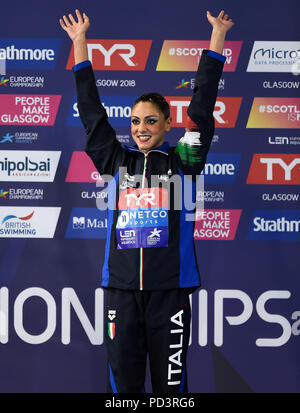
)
(156, 323)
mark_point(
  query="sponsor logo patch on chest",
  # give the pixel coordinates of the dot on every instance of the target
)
(143, 218)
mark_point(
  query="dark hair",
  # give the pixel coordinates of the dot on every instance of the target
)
(156, 99)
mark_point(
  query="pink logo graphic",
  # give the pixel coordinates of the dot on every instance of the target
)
(37, 110)
(216, 224)
(82, 169)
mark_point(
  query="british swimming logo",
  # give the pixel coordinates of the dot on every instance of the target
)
(28, 222)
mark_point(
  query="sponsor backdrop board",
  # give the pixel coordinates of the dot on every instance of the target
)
(246, 317)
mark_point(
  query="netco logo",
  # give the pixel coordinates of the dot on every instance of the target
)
(111, 54)
(274, 169)
(225, 112)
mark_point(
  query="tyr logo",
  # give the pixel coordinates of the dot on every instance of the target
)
(129, 51)
(275, 169)
(278, 161)
(148, 197)
(115, 54)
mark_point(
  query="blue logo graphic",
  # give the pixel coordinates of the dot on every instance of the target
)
(87, 223)
(7, 138)
(29, 53)
(221, 168)
(282, 225)
(118, 109)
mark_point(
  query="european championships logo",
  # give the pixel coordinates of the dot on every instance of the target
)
(183, 83)
(3, 81)
(3, 193)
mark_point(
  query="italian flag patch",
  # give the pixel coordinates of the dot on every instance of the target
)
(111, 330)
(188, 148)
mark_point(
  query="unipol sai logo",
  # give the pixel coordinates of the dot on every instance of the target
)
(216, 224)
(82, 169)
(274, 169)
(31, 110)
(184, 55)
(28, 166)
(111, 54)
(225, 111)
(275, 113)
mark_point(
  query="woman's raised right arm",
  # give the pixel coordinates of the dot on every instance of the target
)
(76, 31)
(101, 143)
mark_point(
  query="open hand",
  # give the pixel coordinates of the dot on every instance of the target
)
(75, 29)
(221, 22)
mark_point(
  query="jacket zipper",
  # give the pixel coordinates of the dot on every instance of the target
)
(141, 249)
(141, 269)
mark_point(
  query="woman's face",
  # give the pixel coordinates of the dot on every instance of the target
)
(148, 126)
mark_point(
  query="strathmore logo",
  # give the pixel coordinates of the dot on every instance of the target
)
(118, 109)
(111, 54)
(184, 55)
(275, 113)
(275, 225)
(29, 53)
(225, 112)
(274, 169)
(221, 168)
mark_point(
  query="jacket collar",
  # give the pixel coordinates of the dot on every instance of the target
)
(162, 148)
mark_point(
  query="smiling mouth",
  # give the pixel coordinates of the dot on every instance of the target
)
(144, 138)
